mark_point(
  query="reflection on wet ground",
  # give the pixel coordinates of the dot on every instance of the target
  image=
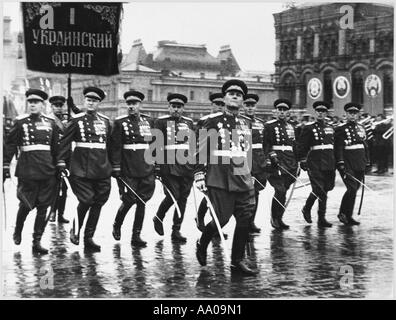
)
(340, 262)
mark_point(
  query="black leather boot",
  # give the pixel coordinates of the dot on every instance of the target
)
(136, 240)
(201, 254)
(119, 219)
(52, 216)
(39, 225)
(242, 269)
(116, 232)
(61, 218)
(20, 220)
(177, 236)
(323, 223)
(307, 214)
(158, 226)
(90, 245)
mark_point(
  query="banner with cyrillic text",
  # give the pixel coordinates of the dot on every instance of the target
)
(71, 37)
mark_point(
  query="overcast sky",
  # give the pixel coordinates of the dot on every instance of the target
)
(247, 27)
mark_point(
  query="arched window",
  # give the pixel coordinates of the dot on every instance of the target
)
(288, 88)
(333, 47)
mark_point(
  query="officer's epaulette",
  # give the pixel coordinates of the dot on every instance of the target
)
(187, 118)
(211, 115)
(103, 116)
(121, 117)
(78, 115)
(22, 116)
(164, 117)
(271, 121)
(244, 116)
(340, 125)
(309, 123)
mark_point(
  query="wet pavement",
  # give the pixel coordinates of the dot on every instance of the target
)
(303, 262)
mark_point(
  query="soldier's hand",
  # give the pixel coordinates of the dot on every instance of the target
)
(199, 179)
(274, 160)
(341, 169)
(116, 173)
(62, 172)
(6, 174)
(157, 171)
(303, 165)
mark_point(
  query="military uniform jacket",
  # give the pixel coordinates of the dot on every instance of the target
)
(316, 146)
(170, 127)
(279, 138)
(350, 146)
(36, 137)
(129, 141)
(258, 157)
(91, 133)
(232, 171)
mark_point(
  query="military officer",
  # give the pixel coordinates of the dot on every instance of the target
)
(226, 175)
(258, 158)
(61, 118)
(352, 157)
(279, 150)
(217, 104)
(315, 151)
(177, 177)
(90, 168)
(36, 136)
(129, 140)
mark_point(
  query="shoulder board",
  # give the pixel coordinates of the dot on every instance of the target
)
(164, 117)
(49, 116)
(341, 125)
(22, 116)
(145, 115)
(78, 115)
(309, 123)
(103, 116)
(259, 119)
(187, 118)
(211, 115)
(271, 121)
(121, 117)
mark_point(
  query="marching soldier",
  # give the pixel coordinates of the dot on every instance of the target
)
(130, 138)
(228, 180)
(279, 149)
(258, 158)
(36, 136)
(315, 150)
(351, 155)
(301, 125)
(178, 178)
(217, 103)
(61, 118)
(90, 168)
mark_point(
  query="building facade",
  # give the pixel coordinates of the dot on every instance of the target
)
(338, 52)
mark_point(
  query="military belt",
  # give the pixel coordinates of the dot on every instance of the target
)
(257, 146)
(91, 145)
(35, 147)
(322, 147)
(135, 146)
(282, 148)
(355, 146)
(177, 147)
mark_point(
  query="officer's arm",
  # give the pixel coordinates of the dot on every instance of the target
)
(303, 144)
(11, 144)
(115, 146)
(366, 148)
(55, 141)
(65, 143)
(204, 138)
(339, 145)
(267, 143)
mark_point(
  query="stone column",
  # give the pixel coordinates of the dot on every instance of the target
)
(341, 42)
(299, 47)
(372, 45)
(277, 49)
(316, 45)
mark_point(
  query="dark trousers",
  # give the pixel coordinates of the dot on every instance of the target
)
(144, 187)
(34, 194)
(383, 152)
(202, 209)
(281, 183)
(226, 204)
(92, 194)
(348, 200)
(180, 188)
(258, 186)
(322, 181)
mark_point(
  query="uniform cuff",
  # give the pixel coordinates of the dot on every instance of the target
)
(61, 163)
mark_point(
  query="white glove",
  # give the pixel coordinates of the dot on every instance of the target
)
(199, 179)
